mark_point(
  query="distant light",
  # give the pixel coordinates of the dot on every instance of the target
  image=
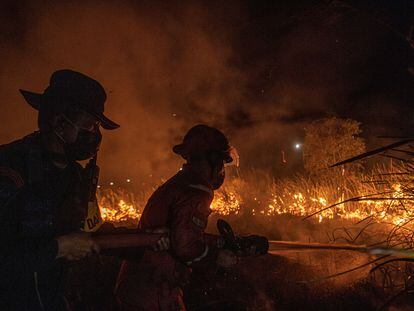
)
(174, 115)
(297, 146)
(128, 180)
(99, 186)
(111, 183)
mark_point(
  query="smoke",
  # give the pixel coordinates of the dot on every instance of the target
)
(164, 68)
(169, 65)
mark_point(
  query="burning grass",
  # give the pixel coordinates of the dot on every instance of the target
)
(120, 206)
(383, 195)
(374, 207)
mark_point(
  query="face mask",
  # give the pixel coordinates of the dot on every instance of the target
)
(85, 146)
(218, 173)
(218, 179)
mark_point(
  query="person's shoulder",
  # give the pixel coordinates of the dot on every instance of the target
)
(18, 148)
(167, 187)
(180, 188)
(169, 190)
(189, 188)
(13, 158)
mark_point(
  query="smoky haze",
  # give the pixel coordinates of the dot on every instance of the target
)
(164, 69)
(168, 66)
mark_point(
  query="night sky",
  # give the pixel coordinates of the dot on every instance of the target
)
(259, 70)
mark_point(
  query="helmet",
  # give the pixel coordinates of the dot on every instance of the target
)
(202, 140)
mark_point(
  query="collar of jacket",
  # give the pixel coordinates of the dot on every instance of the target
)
(195, 181)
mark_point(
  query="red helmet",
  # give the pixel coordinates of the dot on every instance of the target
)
(203, 139)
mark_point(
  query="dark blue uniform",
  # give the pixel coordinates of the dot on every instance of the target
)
(38, 202)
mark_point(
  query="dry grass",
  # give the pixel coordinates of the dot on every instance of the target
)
(365, 208)
(383, 195)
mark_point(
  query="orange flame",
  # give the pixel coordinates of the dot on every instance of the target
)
(118, 207)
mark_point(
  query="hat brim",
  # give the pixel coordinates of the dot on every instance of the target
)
(35, 99)
(181, 150)
(106, 123)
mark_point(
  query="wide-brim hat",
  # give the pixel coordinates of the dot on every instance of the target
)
(71, 88)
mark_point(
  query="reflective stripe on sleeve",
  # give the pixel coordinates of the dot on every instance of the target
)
(204, 254)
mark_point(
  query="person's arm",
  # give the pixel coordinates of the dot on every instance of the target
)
(188, 241)
(18, 242)
(21, 242)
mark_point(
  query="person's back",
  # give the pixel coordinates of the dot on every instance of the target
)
(154, 282)
(183, 205)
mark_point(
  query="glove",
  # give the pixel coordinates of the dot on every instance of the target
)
(253, 245)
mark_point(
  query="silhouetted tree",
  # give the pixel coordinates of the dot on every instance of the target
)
(330, 140)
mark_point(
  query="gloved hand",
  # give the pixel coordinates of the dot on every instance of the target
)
(163, 244)
(253, 245)
(242, 246)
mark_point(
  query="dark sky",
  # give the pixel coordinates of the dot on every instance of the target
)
(355, 48)
(260, 70)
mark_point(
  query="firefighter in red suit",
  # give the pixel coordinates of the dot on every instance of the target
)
(182, 204)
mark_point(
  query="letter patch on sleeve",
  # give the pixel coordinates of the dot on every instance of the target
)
(94, 219)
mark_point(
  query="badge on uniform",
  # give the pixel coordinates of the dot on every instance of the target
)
(94, 219)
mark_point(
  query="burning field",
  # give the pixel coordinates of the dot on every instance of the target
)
(384, 196)
(373, 208)
(299, 79)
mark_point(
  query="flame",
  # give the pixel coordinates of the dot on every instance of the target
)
(122, 212)
(119, 206)
(298, 198)
(226, 203)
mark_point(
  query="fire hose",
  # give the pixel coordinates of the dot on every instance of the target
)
(263, 246)
(127, 240)
(273, 247)
(134, 238)
(277, 246)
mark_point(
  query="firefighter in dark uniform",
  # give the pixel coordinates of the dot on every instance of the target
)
(40, 215)
(183, 205)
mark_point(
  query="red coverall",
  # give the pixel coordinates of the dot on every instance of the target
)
(154, 283)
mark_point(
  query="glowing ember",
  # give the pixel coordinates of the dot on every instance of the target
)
(225, 203)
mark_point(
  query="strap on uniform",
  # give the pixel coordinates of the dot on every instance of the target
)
(202, 188)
